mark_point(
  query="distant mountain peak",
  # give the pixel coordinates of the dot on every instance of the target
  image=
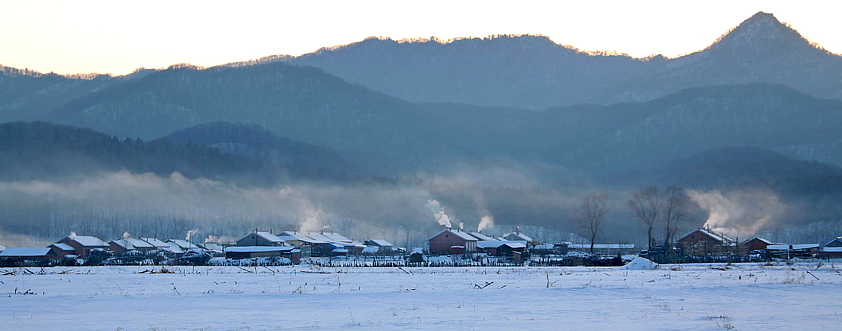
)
(762, 32)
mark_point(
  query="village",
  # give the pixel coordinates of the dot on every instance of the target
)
(448, 247)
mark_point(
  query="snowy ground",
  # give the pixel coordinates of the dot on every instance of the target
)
(688, 297)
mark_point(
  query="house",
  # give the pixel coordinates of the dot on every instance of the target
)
(212, 247)
(157, 243)
(378, 247)
(123, 245)
(181, 244)
(701, 242)
(60, 251)
(449, 241)
(832, 250)
(754, 244)
(519, 236)
(260, 238)
(835, 242)
(83, 245)
(501, 247)
(801, 251)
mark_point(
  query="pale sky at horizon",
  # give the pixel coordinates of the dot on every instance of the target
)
(106, 36)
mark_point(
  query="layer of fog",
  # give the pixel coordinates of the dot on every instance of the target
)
(407, 212)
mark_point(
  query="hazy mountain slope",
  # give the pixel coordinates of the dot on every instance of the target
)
(41, 151)
(734, 167)
(513, 71)
(256, 142)
(28, 95)
(698, 119)
(534, 72)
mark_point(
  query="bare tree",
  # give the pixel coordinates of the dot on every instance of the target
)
(591, 216)
(646, 205)
(675, 209)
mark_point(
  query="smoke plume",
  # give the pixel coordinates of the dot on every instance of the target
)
(438, 213)
(740, 213)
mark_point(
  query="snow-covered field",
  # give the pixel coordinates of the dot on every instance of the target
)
(803, 296)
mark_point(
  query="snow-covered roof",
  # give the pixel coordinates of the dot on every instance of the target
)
(461, 234)
(832, 249)
(174, 248)
(258, 249)
(181, 243)
(212, 246)
(371, 250)
(767, 242)
(88, 241)
(156, 242)
(517, 236)
(64, 247)
(716, 236)
(132, 243)
(268, 236)
(784, 247)
(25, 252)
(336, 237)
(381, 243)
(481, 236)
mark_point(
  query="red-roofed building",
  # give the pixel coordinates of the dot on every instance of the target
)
(449, 241)
(701, 242)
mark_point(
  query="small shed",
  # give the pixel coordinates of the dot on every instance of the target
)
(830, 252)
(442, 242)
(789, 251)
(754, 244)
(14, 256)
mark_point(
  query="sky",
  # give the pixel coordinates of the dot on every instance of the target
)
(117, 37)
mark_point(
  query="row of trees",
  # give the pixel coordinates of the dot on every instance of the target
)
(651, 206)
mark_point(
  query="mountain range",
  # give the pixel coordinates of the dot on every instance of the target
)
(394, 107)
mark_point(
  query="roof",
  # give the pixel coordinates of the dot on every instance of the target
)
(784, 247)
(716, 236)
(132, 243)
(181, 243)
(88, 241)
(64, 247)
(156, 242)
(381, 243)
(212, 246)
(500, 243)
(518, 236)
(832, 249)
(758, 238)
(257, 249)
(25, 252)
(461, 234)
(336, 237)
(481, 236)
(266, 236)
(175, 249)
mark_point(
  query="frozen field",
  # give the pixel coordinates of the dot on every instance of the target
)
(687, 297)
